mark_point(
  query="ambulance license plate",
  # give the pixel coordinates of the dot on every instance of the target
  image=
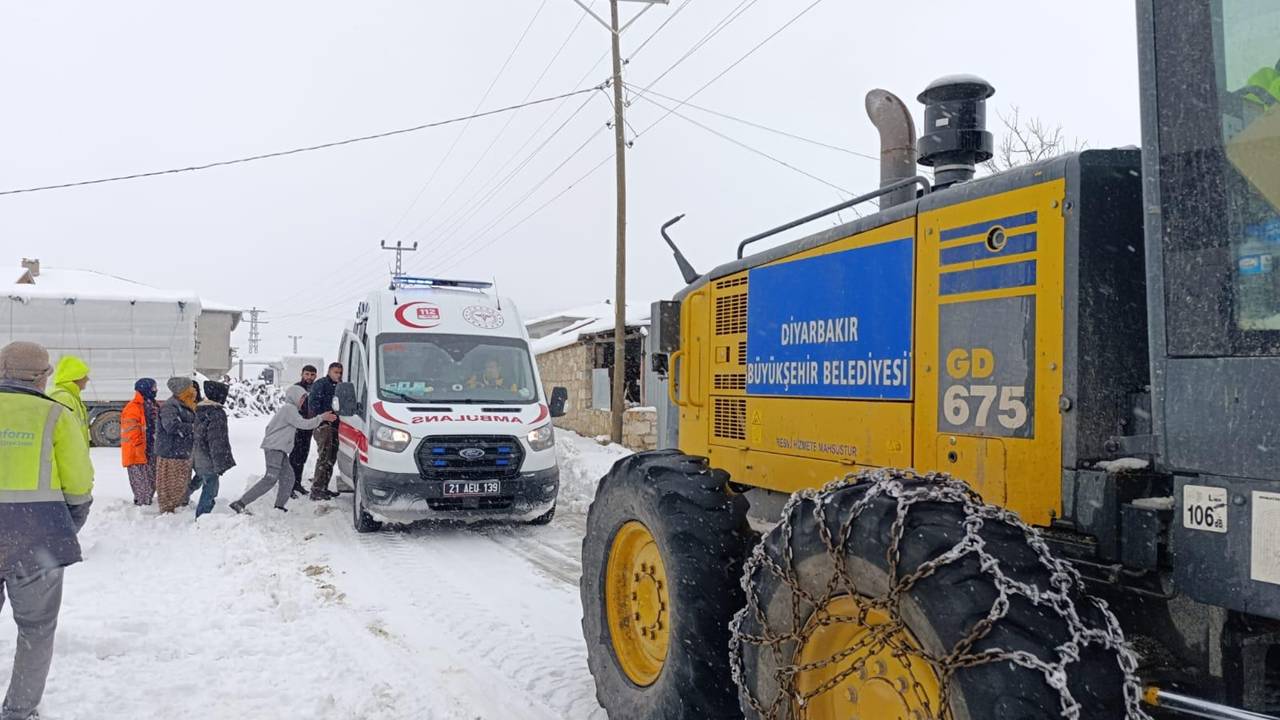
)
(472, 488)
(1204, 507)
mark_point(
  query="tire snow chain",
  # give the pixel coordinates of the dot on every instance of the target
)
(937, 488)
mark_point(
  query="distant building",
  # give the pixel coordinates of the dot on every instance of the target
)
(574, 350)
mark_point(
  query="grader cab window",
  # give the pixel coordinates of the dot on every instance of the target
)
(1249, 56)
(1218, 87)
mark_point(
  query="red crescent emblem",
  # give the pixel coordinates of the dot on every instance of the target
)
(420, 315)
(543, 412)
(382, 411)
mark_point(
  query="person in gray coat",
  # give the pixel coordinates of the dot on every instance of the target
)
(277, 444)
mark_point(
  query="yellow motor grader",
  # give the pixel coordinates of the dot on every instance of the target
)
(1007, 448)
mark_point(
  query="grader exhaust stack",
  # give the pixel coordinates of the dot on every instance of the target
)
(897, 144)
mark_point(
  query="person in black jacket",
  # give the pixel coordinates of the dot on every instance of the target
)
(302, 440)
(320, 401)
(211, 453)
(174, 438)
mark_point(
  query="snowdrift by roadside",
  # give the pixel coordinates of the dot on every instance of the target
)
(583, 461)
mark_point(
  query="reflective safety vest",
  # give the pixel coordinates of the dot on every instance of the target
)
(44, 467)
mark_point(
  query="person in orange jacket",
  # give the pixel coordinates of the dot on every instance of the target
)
(138, 423)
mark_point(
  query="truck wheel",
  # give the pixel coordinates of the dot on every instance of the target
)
(104, 429)
(360, 519)
(895, 596)
(661, 578)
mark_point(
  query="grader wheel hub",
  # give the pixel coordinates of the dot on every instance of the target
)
(862, 669)
(637, 603)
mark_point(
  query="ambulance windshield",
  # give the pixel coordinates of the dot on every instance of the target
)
(455, 369)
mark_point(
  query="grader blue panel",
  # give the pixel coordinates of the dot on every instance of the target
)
(833, 326)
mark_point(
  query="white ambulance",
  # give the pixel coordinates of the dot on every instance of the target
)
(442, 415)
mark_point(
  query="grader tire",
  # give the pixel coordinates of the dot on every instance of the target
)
(666, 522)
(779, 639)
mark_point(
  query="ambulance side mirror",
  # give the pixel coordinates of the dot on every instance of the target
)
(559, 396)
(344, 400)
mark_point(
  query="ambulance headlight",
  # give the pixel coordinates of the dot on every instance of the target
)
(542, 438)
(389, 438)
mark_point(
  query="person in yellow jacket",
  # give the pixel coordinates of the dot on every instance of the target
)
(46, 486)
(69, 379)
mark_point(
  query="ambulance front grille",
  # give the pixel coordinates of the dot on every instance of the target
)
(729, 419)
(445, 457)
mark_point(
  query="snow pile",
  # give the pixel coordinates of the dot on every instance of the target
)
(1123, 464)
(253, 398)
(583, 461)
(1155, 503)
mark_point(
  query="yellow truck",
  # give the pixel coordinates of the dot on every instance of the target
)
(1006, 448)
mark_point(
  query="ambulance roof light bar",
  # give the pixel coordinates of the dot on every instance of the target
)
(410, 281)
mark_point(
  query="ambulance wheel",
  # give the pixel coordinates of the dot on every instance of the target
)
(104, 429)
(661, 578)
(545, 518)
(831, 630)
(360, 519)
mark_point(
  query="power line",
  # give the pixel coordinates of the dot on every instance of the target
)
(766, 128)
(458, 138)
(734, 64)
(308, 148)
(360, 280)
(674, 14)
(514, 206)
(716, 29)
(503, 130)
(528, 217)
(470, 208)
(739, 143)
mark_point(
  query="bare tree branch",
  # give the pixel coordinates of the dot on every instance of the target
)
(1028, 140)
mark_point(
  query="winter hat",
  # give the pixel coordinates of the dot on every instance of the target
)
(177, 385)
(146, 387)
(24, 361)
(215, 391)
(70, 369)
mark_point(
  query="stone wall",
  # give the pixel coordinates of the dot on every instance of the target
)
(570, 367)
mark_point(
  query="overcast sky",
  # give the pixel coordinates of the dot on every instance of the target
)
(107, 88)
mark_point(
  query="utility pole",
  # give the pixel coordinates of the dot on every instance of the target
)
(617, 408)
(255, 338)
(399, 250)
(295, 339)
(617, 404)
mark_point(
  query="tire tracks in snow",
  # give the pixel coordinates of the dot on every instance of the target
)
(499, 605)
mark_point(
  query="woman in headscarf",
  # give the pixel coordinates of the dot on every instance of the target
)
(138, 423)
(174, 439)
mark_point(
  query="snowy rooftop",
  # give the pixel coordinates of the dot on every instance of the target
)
(64, 283)
(564, 328)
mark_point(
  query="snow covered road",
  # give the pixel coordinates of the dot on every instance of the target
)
(294, 615)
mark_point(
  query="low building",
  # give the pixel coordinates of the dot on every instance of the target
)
(574, 350)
